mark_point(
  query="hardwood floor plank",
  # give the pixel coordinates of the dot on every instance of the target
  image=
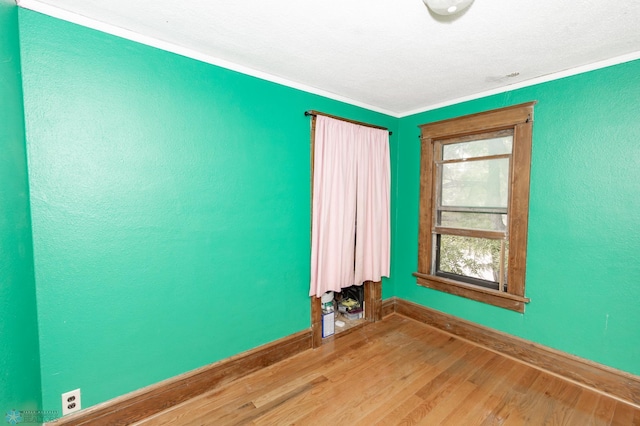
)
(286, 389)
(267, 379)
(400, 356)
(438, 390)
(394, 416)
(456, 372)
(566, 394)
(582, 411)
(603, 412)
(593, 375)
(436, 414)
(341, 377)
(528, 407)
(512, 389)
(488, 394)
(636, 418)
(623, 415)
(271, 406)
(399, 362)
(398, 371)
(395, 406)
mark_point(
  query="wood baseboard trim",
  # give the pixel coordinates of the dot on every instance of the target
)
(153, 399)
(615, 383)
(389, 306)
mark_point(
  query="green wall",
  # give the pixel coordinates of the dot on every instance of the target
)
(170, 204)
(19, 360)
(584, 233)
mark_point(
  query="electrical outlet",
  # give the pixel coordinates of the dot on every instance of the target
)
(71, 402)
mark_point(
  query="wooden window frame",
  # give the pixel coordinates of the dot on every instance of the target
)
(519, 119)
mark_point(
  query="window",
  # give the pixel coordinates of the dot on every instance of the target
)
(474, 205)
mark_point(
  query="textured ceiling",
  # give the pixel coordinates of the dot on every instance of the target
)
(392, 56)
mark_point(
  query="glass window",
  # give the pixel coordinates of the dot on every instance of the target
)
(474, 205)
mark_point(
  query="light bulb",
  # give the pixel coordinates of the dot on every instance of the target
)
(447, 7)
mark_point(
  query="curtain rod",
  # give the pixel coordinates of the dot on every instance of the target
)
(315, 113)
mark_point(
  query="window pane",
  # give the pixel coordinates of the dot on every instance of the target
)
(479, 148)
(483, 221)
(470, 257)
(481, 183)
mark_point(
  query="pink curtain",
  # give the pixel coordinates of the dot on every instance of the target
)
(350, 238)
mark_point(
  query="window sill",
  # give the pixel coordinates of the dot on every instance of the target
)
(492, 297)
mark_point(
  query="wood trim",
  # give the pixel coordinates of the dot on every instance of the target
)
(474, 233)
(475, 136)
(519, 207)
(316, 322)
(373, 301)
(519, 119)
(150, 400)
(372, 312)
(600, 378)
(343, 333)
(472, 159)
(389, 306)
(427, 176)
(481, 294)
(483, 121)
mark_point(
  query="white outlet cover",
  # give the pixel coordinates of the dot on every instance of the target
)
(70, 398)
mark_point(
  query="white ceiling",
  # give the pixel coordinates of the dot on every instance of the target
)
(392, 56)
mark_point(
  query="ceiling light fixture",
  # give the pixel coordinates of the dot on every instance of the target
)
(447, 7)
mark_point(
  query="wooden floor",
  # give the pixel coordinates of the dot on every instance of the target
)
(399, 371)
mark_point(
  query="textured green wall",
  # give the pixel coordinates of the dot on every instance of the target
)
(19, 362)
(584, 234)
(170, 204)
